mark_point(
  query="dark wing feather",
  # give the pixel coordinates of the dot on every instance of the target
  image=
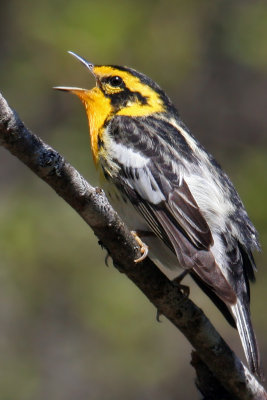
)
(202, 262)
(215, 299)
(165, 200)
(180, 224)
(153, 180)
(183, 207)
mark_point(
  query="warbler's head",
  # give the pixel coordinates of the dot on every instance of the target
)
(127, 91)
(118, 91)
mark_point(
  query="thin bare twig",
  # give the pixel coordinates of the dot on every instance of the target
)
(91, 204)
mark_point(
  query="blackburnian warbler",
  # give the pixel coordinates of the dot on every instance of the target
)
(162, 182)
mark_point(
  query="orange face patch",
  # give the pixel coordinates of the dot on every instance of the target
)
(98, 105)
(98, 108)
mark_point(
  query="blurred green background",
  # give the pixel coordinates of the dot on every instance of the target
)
(70, 328)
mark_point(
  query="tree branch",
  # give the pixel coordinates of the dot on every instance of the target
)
(91, 204)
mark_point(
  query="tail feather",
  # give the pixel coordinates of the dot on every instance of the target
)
(247, 336)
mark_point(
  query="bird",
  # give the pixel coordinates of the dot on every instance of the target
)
(168, 188)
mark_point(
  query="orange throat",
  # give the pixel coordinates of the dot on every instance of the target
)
(98, 108)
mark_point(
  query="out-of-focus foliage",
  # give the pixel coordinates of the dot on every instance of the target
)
(70, 327)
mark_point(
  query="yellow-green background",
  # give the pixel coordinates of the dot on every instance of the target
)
(71, 328)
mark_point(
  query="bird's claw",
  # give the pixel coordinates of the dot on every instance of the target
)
(108, 256)
(183, 288)
(143, 247)
(108, 253)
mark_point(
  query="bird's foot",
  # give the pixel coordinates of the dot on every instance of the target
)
(183, 288)
(108, 256)
(142, 245)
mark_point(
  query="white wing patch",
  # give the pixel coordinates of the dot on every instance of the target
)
(127, 156)
(145, 185)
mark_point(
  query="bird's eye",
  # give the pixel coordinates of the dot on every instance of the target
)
(115, 81)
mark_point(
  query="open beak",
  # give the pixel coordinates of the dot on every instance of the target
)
(88, 65)
(78, 91)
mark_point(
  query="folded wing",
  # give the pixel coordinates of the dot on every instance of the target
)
(175, 217)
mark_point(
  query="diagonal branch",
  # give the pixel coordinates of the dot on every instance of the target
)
(91, 204)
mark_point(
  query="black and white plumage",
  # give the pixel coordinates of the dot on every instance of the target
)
(161, 180)
(187, 200)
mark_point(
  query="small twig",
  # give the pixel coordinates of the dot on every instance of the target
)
(91, 204)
